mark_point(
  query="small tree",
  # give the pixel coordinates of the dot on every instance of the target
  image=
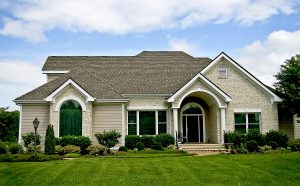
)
(9, 125)
(288, 84)
(50, 141)
(108, 138)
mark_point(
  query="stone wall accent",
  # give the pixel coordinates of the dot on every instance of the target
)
(245, 94)
(71, 91)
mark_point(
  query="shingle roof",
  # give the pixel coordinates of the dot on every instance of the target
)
(108, 77)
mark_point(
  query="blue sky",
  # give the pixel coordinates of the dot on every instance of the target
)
(258, 34)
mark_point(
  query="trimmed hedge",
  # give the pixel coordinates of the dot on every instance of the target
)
(165, 139)
(28, 139)
(140, 146)
(98, 149)
(131, 141)
(81, 141)
(123, 148)
(15, 148)
(235, 137)
(255, 134)
(279, 137)
(157, 146)
(148, 140)
(28, 157)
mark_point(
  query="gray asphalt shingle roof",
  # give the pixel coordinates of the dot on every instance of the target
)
(108, 77)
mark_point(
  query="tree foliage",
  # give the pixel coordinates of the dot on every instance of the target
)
(288, 84)
(50, 141)
(9, 125)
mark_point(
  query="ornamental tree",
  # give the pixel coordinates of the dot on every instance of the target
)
(288, 84)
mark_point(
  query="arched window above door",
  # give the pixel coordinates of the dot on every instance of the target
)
(192, 109)
(70, 119)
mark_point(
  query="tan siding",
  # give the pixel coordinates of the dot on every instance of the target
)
(106, 117)
(286, 122)
(51, 77)
(296, 127)
(29, 112)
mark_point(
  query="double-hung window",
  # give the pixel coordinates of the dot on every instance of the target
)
(246, 121)
(147, 122)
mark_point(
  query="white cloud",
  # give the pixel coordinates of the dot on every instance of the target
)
(32, 18)
(17, 78)
(182, 45)
(263, 58)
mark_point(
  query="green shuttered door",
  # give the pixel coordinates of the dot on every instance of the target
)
(70, 119)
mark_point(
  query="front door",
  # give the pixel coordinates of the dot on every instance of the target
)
(192, 128)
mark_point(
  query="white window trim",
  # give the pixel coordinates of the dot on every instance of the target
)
(247, 121)
(138, 120)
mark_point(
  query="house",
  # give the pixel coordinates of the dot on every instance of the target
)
(150, 93)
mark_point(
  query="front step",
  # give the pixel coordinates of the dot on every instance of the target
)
(196, 148)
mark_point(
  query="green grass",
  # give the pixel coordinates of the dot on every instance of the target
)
(158, 169)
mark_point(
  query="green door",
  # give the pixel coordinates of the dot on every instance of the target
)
(70, 122)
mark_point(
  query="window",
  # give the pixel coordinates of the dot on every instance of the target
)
(70, 119)
(147, 122)
(131, 122)
(222, 72)
(245, 121)
(162, 122)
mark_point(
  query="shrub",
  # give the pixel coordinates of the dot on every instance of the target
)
(3, 148)
(294, 144)
(172, 147)
(264, 148)
(123, 148)
(28, 139)
(69, 149)
(140, 146)
(273, 144)
(255, 134)
(252, 145)
(279, 137)
(131, 141)
(50, 140)
(15, 148)
(57, 141)
(31, 149)
(108, 138)
(235, 137)
(71, 155)
(81, 141)
(97, 149)
(148, 140)
(58, 149)
(28, 157)
(157, 146)
(165, 139)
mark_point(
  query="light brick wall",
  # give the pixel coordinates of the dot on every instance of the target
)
(86, 115)
(245, 94)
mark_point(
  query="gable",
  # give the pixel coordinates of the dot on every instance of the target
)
(200, 84)
(237, 77)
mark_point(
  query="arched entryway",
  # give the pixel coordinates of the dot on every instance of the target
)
(70, 119)
(193, 123)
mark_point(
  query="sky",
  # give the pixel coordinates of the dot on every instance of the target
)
(258, 34)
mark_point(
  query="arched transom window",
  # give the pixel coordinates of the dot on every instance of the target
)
(70, 120)
(192, 109)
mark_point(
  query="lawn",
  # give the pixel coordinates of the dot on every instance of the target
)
(158, 169)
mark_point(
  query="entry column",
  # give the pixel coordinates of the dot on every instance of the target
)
(222, 110)
(175, 121)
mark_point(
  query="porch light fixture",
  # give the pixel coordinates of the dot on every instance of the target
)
(36, 123)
